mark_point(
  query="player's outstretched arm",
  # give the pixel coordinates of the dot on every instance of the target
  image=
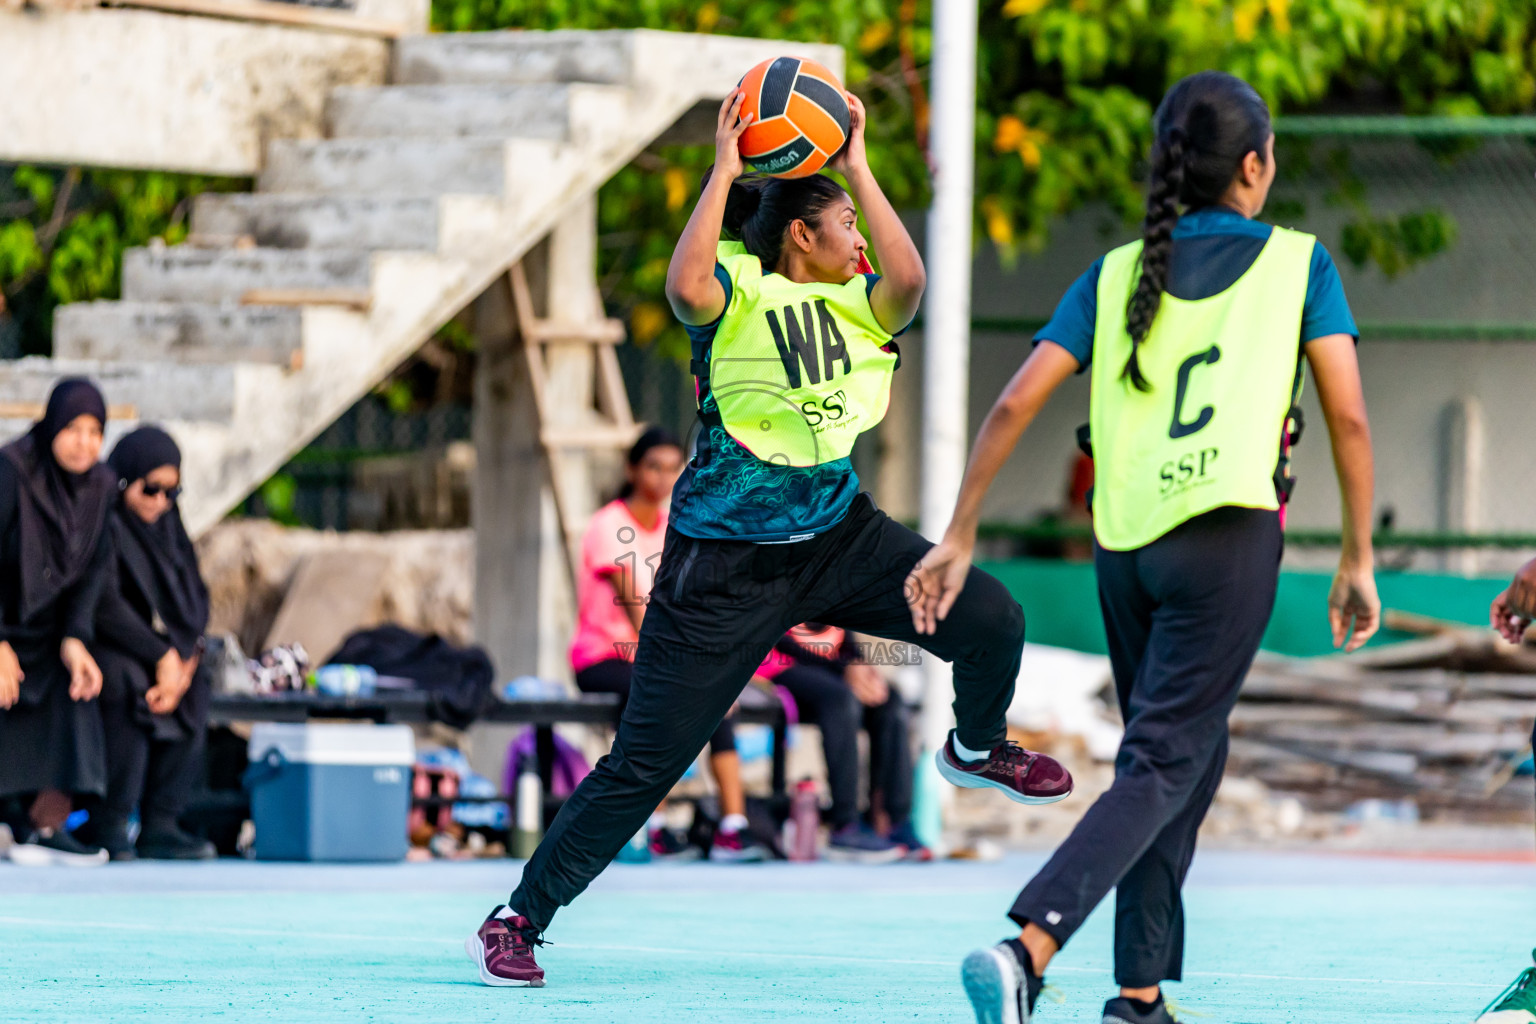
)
(1354, 610)
(692, 291)
(902, 277)
(937, 579)
(1513, 610)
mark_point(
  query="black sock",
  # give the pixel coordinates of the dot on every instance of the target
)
(1142, 1005)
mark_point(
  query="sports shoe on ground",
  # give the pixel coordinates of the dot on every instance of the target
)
(737, 847)
(110, 833)
(857, 843)
(173, 844)
(502, 948)
(1024, 776)
(905, 835)
(1001, 983)
(1121, 1010)
(1516, 1004)
(672, 844)
(120, 852)
(56, 848)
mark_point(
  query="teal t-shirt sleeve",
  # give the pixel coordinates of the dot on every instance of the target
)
(1326, 311)
(1073, 323)
(870, 280)
(702, 334)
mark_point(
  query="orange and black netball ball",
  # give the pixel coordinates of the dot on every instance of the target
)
(799, 117)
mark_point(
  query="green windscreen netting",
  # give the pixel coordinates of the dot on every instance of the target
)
(1431, 220)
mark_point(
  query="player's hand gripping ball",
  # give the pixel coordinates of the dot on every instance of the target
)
(799, 117)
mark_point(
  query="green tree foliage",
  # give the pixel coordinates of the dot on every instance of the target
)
(63, 232)
(1066, 90)
(1069, 87)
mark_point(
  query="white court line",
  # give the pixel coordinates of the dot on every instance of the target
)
(706, 953)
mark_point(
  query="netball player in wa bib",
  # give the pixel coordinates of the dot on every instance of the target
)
(793, 351)
(1195, 338)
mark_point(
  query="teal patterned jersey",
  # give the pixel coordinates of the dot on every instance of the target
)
(727, 493)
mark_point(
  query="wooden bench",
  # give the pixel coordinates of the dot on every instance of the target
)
(411, 707)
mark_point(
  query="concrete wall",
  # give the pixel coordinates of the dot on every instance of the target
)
(415, 15)
(141, 89)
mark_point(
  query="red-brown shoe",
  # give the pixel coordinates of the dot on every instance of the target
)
(1024, 776)
(503, 950)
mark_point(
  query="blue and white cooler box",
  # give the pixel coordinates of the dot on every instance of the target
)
(330, 792)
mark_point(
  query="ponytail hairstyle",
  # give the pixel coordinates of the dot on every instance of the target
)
(651, 437)
(1202, 130)
(760, 209)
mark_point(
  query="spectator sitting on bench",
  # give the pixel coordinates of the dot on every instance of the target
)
(620, 554)
(149, 631)
(54, 496)
(835, 691)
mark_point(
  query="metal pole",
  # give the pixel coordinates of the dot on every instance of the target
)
(947, 312)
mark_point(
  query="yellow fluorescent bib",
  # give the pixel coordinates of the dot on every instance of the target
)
(1224, 373)
(797, 371)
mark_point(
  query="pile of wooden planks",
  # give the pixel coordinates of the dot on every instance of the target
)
(1443, 720)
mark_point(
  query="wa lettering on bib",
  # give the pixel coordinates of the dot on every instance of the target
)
(1224, 372)
(797, 371)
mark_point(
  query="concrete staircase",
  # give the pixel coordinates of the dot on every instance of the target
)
(425, 192)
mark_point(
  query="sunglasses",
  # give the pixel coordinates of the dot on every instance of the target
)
(155, 490)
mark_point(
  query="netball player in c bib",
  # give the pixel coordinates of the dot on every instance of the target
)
(1194, 338)
(793, 352)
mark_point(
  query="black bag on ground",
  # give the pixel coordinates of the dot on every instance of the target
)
(457, 678)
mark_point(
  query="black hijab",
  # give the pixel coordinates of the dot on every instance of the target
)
(172, 583)
(60, 514)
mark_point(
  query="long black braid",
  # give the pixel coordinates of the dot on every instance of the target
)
(1156, 246)
(1204, 128)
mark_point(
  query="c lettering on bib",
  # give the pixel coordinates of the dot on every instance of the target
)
(1178, 428)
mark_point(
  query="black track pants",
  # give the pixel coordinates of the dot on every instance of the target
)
(716, 609)
(153, 762)
(1184, 617)
(614, 675)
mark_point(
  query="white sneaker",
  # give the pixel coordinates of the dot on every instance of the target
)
(55, 848)
(1001, 989)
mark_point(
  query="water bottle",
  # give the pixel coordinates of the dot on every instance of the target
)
(346, 680)
(804, 822)
(531, 688)
(528, 829)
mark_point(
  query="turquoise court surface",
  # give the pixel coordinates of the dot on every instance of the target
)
(1274, 939)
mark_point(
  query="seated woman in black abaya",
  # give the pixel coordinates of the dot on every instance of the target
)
(149, 629)
(54, 551)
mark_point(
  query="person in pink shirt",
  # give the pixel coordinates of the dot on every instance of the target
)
(619, 555)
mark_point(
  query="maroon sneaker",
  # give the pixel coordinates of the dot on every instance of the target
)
(503, 950)
(1024, 776)
(737, 848)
